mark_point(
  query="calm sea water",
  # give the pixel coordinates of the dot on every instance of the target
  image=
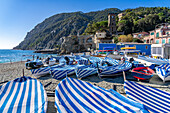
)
(7, 55)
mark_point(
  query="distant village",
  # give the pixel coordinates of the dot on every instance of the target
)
(157, 39)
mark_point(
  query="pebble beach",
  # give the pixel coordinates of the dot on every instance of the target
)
(11, 71)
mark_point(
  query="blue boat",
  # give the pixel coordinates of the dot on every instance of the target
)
(33, 64)
(61, 72)
(76, 96)
(86, 70)
(112, 70)
(23, 95)
(40, 71)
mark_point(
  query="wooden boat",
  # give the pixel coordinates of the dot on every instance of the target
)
(23, 95)
(142, 73)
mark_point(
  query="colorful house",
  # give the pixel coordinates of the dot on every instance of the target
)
(106, 47)
(160, 35)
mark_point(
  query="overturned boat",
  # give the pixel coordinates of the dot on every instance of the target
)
(76, 96)
(23, 95)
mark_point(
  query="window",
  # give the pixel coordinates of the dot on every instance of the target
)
(163, 41)
(144, 41)
(152, 33)
(157, 41)
(112, 16)
(157, 34)
(169, 40)
(146, 47)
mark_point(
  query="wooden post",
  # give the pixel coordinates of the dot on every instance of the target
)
(23, 72)
(124, 76)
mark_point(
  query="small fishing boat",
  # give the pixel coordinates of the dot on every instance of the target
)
(49, 61)
(23, 95)
(33, 64)
(76, 96)
(86, 70)
(40, 71)
(142, 73)
(163, 72)
(80, 60)
(111, 61)
(114, 70)
(44, 70)
(61, 72)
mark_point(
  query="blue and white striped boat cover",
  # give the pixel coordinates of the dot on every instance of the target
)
(155, 100)
(111, 61)
(110, 70)
(76, 96)
(84, 71)
(40, 71)
(23, 95)
(62, 72)
(152, 60)
(163, 73)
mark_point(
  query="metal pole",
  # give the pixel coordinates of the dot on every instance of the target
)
(23, 71)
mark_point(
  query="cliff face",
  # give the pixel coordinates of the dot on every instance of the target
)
(46, 35)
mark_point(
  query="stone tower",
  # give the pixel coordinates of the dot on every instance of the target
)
(112, 23)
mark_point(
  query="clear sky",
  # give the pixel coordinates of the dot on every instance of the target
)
(17, 17)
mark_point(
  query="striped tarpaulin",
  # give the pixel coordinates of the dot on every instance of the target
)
(155, 100)
(76, 96)
(62, 72)
(41, 71)
(163, 72)
(85, 71)
(111, 61)
(110, 70)
(23, 95)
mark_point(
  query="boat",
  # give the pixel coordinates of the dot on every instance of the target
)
(33, 64)
(152, 60)
(80, 60)
(86, 70)
(49, 61)
(66, 60)
(23, 95)
(40, 71)
(111, 61)
(44, 70)
(61, 72)
(163, 72)
(114, 70)
(154, 100)
(76, 96)
(142, 73)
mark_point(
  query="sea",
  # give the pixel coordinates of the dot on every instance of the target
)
(9, 55)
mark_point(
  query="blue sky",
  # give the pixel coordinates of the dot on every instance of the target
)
(17, 17)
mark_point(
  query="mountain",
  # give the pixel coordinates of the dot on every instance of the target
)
(45, 35)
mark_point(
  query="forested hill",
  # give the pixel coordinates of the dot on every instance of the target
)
(47, 33)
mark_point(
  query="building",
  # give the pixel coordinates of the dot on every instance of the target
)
(120, 15)
(140, 35)
(102, 37)
(160, 35)
(105, 47)
(112, 23)
(144, 49)
(86, 42)
(160, 50)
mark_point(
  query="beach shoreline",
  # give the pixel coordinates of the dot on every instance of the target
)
(11, 71)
